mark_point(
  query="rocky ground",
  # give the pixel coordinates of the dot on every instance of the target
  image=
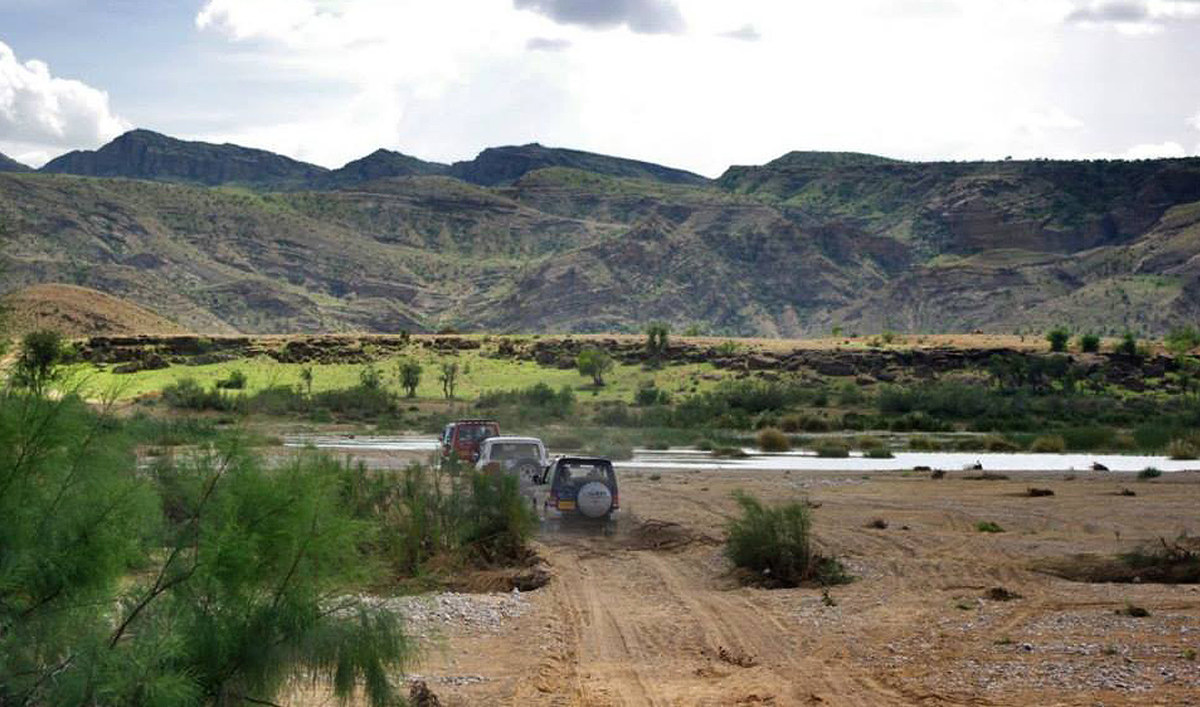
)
(653, 616)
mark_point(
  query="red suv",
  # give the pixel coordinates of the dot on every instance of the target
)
(461, 438)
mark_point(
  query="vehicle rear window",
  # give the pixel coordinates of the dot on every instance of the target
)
(584, 472)
(515, 450)
(474, 433)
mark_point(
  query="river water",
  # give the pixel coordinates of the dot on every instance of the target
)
(797, 461)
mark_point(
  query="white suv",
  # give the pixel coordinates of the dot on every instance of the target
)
(524, 457)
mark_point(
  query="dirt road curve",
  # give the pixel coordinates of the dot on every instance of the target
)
(651, 615)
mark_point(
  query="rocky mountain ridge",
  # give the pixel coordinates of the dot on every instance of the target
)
(8, 164)
(802, 245)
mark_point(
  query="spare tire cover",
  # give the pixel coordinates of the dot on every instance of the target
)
(594, 500)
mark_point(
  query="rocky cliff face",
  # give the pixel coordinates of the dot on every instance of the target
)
(795, 247)
(505, 165)
(142, 154)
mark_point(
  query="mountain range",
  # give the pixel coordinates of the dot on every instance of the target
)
(143, 154)
(8, 164)
(223, 238)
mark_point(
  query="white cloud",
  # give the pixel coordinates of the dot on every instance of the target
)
(1153, 151)
(1134, 17)
(746, 33)
(642, 16)
(1194, 121)
(547, 44)
(444, 79)
(40, 112)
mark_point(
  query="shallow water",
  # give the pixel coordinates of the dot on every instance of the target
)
(949, 461)
(795, 461)
(363, 443)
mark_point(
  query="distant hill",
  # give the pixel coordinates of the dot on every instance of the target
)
(799, 246)
(142, 154)
(505, 165)
(380, 164)
(8, 164)
(79, 311)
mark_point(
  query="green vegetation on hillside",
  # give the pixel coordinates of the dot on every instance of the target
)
(794, 247)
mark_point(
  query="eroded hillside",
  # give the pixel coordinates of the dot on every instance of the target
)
(795, 247)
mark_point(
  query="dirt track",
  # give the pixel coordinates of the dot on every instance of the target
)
(621, 624)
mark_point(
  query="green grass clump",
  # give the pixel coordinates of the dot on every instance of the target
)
(1049, 444)
(729, 453)
(987, 526)
(236, 380)
(775, 544)
(995, 443)
(773, 440)
(833, 449)
(1184, 447)
(924, 444)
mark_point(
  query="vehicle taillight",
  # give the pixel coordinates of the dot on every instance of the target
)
(616, 500)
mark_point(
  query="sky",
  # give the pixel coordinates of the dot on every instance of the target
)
(696, 84)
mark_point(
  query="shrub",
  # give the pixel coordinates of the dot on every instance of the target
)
(1149, 473)
(410, 376)
(1048, 444)
(776, 544)
(1088, 437)
(1184, 447)
(1134, 611)
(1181, 340)
(1151, 436)
(210, 574)
(1128, 345)
(236, 380)
(657, 341)
(833, 449)
(361, 402)
(772, 440)
(538, 401)
(924, 444)
(728, 452)
(879, 453)
(306, 379)
(187, 394)
(499, 520)
(1089, 343)
(987, 526)
(993, 443)
(647, 395)
(595, 363)
(449, 378)
(1058, 339)
(804, 423)
(39, 361)
(849, 393)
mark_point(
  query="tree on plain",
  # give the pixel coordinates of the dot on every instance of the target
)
(410, 376)
(596, 363)
(449, 379)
